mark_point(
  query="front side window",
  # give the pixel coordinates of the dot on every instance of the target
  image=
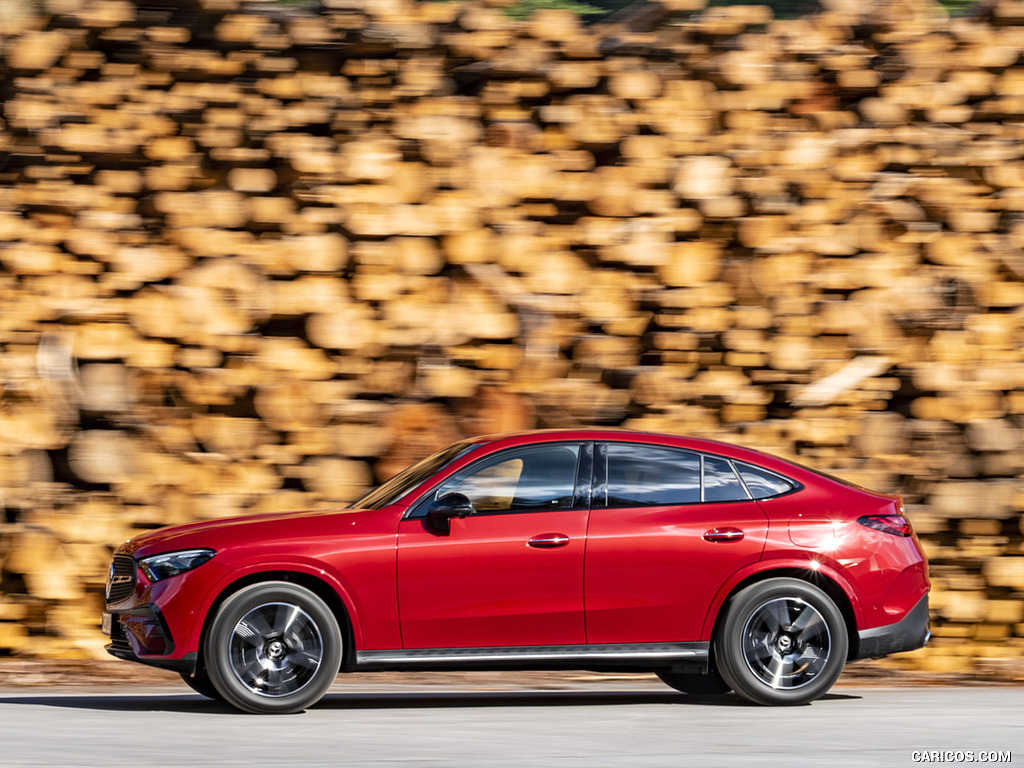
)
(532, 479)
(645, 476)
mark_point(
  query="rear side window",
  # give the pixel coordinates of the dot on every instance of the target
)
(762, 484)
(720, 482)
(642, 476)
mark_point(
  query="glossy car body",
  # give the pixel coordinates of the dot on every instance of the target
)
(586, 549)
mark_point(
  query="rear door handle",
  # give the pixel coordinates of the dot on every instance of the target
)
(723, 535)
(549, 540)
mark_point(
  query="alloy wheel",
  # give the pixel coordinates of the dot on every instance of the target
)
(275, 649)
(786, 643)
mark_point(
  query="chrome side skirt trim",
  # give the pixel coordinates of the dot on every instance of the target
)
(561, 654)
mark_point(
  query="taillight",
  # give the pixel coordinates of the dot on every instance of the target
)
(897, 525)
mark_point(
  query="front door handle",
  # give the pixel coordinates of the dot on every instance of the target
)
(723, 535)
(549, 540)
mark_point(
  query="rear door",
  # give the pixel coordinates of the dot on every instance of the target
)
(667, 528)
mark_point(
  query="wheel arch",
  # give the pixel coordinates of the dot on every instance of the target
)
(812, 576)
(317, 586)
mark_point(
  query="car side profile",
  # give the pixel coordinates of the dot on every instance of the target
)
(716, 567)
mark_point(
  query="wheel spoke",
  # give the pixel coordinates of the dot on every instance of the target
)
(251, 671)
(775, 615)
(758, 648)
(306, 659)
(780, 670)
(253, 625)
(274, 680)
(249, 638)
(286, 616)
(813, 662)
(808, 620)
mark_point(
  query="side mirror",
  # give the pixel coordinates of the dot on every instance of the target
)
(442, 510)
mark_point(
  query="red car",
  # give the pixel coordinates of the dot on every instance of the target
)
(717, 567)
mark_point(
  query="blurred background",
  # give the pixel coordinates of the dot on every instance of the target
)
(261, 255)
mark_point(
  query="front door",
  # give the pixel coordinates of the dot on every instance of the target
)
(511, 574)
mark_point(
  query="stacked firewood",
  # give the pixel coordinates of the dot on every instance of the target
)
(256, 258)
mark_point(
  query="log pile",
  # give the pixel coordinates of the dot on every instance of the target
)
(255, 258)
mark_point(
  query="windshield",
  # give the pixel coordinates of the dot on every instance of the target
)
(396, 487)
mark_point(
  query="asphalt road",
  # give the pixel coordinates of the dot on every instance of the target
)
(584, 724)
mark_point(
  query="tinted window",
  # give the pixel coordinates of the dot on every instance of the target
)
(639, 476)
(763, 484)
(720, 481)
(526, 479)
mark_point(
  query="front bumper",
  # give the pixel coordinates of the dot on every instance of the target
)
(186, 665)
(907, 634)
(140, 634)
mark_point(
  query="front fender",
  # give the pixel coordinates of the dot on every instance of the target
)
(309, 568)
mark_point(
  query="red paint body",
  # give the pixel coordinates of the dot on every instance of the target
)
(567, 576)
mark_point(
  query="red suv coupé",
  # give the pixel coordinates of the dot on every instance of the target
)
(714, 566)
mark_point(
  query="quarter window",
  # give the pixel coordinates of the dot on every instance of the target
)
(762, 484)
(641, 476)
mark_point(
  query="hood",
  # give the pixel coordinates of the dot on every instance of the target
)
(217, 534)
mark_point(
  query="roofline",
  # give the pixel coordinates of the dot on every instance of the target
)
(598, 433)
(683, 442)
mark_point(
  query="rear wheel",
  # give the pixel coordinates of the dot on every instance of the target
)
(273, 647)
(783, 642)
(710, 684)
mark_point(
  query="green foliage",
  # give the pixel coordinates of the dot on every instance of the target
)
(524, 8)
(794, 9)
(610, 6)
(957, 7)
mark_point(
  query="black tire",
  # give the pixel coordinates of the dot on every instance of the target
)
(710, 684)
(199, 681)
(783, 642)
(273, 648)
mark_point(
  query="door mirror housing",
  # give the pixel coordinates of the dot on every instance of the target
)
(442, 510)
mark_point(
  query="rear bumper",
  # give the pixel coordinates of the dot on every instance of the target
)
(907, 634)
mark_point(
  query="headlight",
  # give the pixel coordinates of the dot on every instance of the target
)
(172, 563)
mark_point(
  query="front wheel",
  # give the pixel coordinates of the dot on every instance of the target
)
(274, 647)
(784, 642)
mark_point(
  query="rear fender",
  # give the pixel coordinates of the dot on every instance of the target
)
(811, 569)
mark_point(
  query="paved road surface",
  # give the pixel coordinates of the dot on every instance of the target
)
(585, 724)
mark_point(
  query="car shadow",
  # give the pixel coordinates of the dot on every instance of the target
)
(474, 699)
(185, 702)
(193, 703)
